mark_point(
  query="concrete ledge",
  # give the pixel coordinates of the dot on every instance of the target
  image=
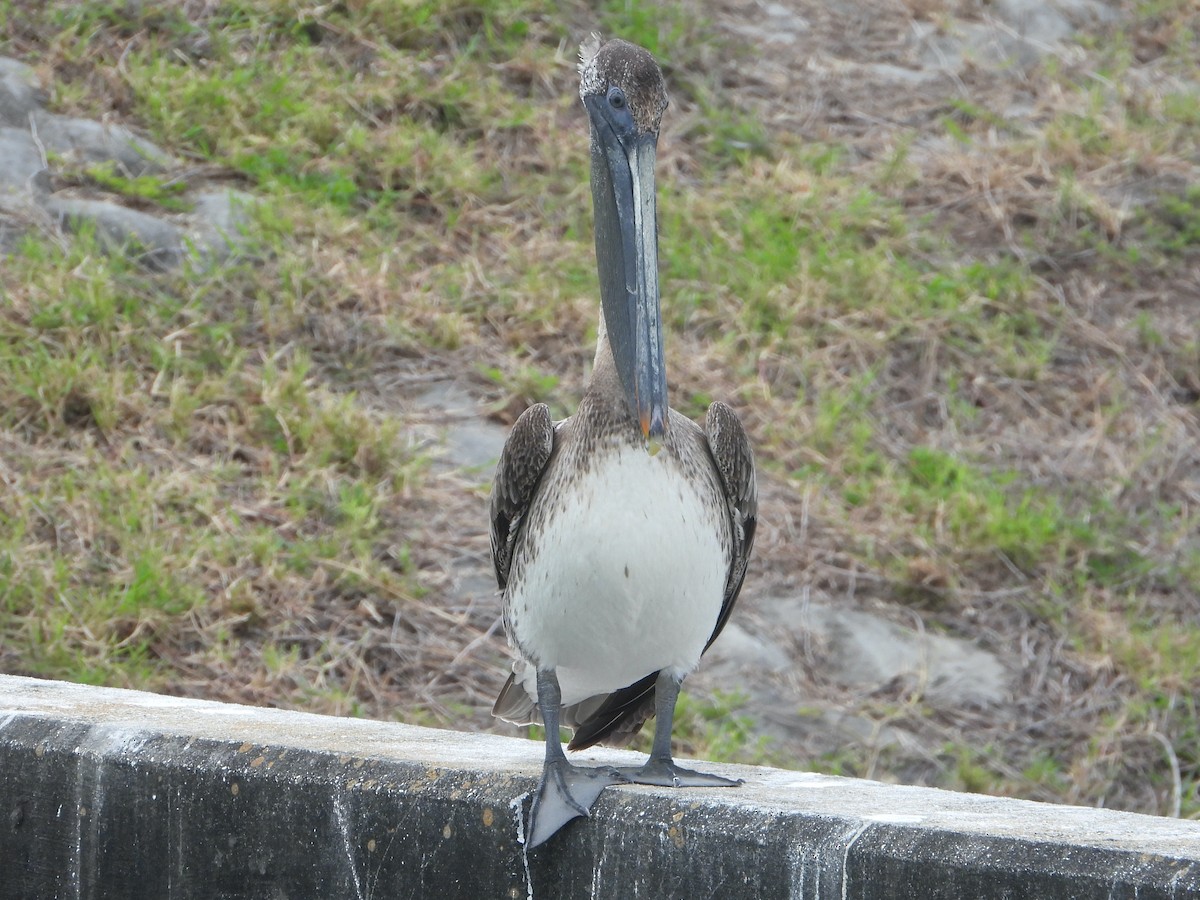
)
(108, 793)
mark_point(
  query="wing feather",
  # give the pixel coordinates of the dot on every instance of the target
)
(522, 463)
(730, 449)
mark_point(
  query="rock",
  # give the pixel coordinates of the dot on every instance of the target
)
(855, 650)
(738, 653)
(858, 650)
(17, 217)
(22, 170)
(31, 137)
(87, 141)
(757, 667)
(474, 445)
(470, 440)
(788, 656)
(219, 221)
(23, 181)
(20, 93)
(1050, 22)
(952, 47)
(772, 23)
(225, 212)
(898, 74)
(11, 231)
(1016, 33)
(151, 242)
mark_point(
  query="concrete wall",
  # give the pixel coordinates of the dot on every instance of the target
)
(118, 794)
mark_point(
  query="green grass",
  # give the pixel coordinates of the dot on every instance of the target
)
(149, 189)
(113, 543)
(952, 503)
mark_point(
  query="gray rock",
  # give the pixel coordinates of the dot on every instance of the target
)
(87, 141)
(1016, 33)
(738, 653)
(470, 439)
(28, 134)
(758, 669)
(859, 650)
(772, 23)
(474, 445)
(982, 44)
(20, 93)
(21, 167)
(17, 217)
(150, 241)
(828, 731)
(219, 222)
(1050, 22)
(11, 232)
(226, 212)
(787, 656)
(898, 74)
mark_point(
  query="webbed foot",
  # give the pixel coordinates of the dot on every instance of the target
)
(665, 773)
(565, 792)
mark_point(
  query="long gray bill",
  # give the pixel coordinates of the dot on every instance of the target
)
(623, 194)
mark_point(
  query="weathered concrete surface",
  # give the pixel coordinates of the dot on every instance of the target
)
(108, 793)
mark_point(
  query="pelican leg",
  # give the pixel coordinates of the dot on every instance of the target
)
(660, 768)
(565, 791)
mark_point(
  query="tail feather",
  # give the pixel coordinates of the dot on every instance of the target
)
(608, 719)
(515, 705)
(619, 717)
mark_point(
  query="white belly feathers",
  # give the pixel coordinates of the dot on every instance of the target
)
(628, 577)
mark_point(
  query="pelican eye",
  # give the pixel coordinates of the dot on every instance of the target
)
(616, 98)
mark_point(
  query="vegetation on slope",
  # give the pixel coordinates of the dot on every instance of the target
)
(970, 371)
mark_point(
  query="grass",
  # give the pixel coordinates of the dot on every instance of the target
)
(965, 350)
(149, 190)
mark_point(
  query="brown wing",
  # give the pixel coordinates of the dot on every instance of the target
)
(730, 449)
(522, 462)
(622, 715)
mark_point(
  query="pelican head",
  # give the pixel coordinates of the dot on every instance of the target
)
(623, 90)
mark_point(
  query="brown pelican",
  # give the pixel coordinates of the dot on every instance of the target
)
(621, 534)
